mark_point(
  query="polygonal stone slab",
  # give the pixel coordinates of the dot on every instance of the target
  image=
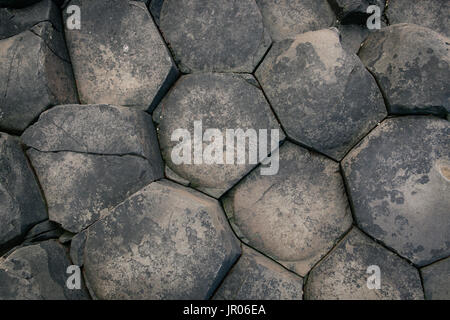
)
(164, 242)
(346, 273)
(256, 277)
(355, 11)
(37, 272)
(433, 14)
(215, 35)
(90, 158)
(323, 95)
(436, 280)
(219, 101)
(287, 18)
(295, 216)
(399, 182)
(21, 203)
(121, 58)
(414, 80)
(34, 74)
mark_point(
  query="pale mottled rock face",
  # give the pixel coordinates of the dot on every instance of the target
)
(21, 202)
(433, 14)
(399, 181)
(436, 280)
(90, 158)
(256, 277)
(343, 274)
(37, 272)
(323, 95)
(121, 58)
(215, 35)
(354, 11)
(220, 101)
(296, 216)
(287, 18)
(164, 242)
(413, 80)
(34, 75)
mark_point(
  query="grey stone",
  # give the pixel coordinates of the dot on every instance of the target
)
(287, 18)
(77, 248)
(354, 11)
(436, 280)
(352, 36)
(121, 58)
(164, 242)
(256, 277)
(34, 75)
(66, 237)
(399, 180)
(43, 231)
(221, 101)
(37, 272)
(344, 274)
(21, 202)
(413, 80)
(323, 95)
(17, 3)
(433, 14)
(215, 35)
(295, 216)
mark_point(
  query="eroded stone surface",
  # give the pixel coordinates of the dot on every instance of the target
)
(436, 280)
(399, 181)
(121, 58)
(295, 216)
(323, 95)
(343, 274)
(355, 11)
(215, 35)
(164, 242)
(413, 80)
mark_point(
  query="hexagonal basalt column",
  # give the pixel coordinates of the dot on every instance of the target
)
(295, 216)
(164, 242)
(214, 35)
(323, 96)
(218, 102)
(121, 58)
(399, 182)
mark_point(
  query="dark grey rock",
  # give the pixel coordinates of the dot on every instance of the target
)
(215, 35)
(43, 231)
(21, 202)
(121, 58)
(344, 273)
(398, 179)
(66, 237)
(164, 242)
(256, 277)
(77, 248)
(323, 95)
(354, 11)
(413, 80)
(34, 75)
(436, 280)
(287, 18)
(352, 36)
(37, 272)
(221, 101)
(17, 3)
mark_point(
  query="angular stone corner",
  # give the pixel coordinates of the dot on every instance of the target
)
(215, 35)
(413, 80)
(256, 277)
(436, 280)
(121, 58)
(323, 95)
(219, 101)
(164, 242)
(89, 158)
(399, 180)
(348, 271)
(295, 216)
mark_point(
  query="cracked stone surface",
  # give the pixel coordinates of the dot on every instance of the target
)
(296, 216)
(413, 80)
(436, 280)
(343, 273)
(90, 158)
(120, 59)
(399, 181)
(323, 95)
(164, 242)
(215, 35)
(354, 11)
(256, 277)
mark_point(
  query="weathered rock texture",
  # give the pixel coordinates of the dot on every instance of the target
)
(436, 280)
